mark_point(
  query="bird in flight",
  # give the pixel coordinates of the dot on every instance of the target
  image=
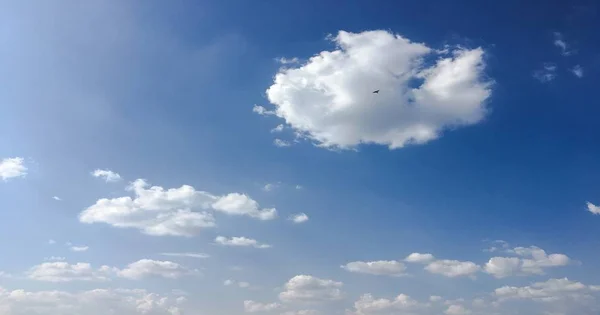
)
(376, 91)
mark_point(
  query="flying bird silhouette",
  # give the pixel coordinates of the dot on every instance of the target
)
(376, 91)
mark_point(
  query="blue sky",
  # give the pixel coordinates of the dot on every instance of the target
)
(484, 129)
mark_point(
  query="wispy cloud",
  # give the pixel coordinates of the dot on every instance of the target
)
(546, 74)
(187, 254)
(577, 70)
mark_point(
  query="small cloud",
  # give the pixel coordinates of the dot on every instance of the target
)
(271, 186)
(57, 198)
(281, 143)
(562, 44)
(577, 71)
(279, 128)
(240, 242)
(51, 242)
(299, 187)
(546, 74)
(261, 110)
(189, 255)
(79, 248)
(285, 61)
(299, 218)
(108, 175)
(12, 168)
(593, 208)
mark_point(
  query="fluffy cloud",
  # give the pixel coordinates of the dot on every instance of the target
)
(329, 98)
(536, 260)
(92, 302)
(155, 268)
(453, 268)
(57, 198)
(253, 307)
(189, 255)
(108, 175)
(64, 272)
(240, 242)
(548, 291)
(419, 258)
(240, 204)
(306, 288)
(156, 211)
(60, 271)
(299, 218)
(402, 304)
(593, 208)
(12, 167)
(382, 267)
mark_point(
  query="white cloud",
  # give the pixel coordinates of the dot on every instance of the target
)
(456, 309)
(593, 208)
(254, 307)
(577, 71)
(281, 143)
(299, 218)
(329, 99)
(155, 268)
(64, 272)
(534, 264)
(241, 204)
(108, 175)
(279, 128)
(382, 267)
(548, 291)
(419, 258)
(306, 288)
(57, 198)
(286, 61)
(261, 110)
(453, 268)
(51, 242)
(156, 211)
(562, 44)
(240, 242)
(270, 186)
(79, 248)
(402, 304)
(12, 167)
(299, 187)
(189, 255)
(547, 73)
(92, 302)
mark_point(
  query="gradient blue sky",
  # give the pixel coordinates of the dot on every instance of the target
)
(165, 92)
